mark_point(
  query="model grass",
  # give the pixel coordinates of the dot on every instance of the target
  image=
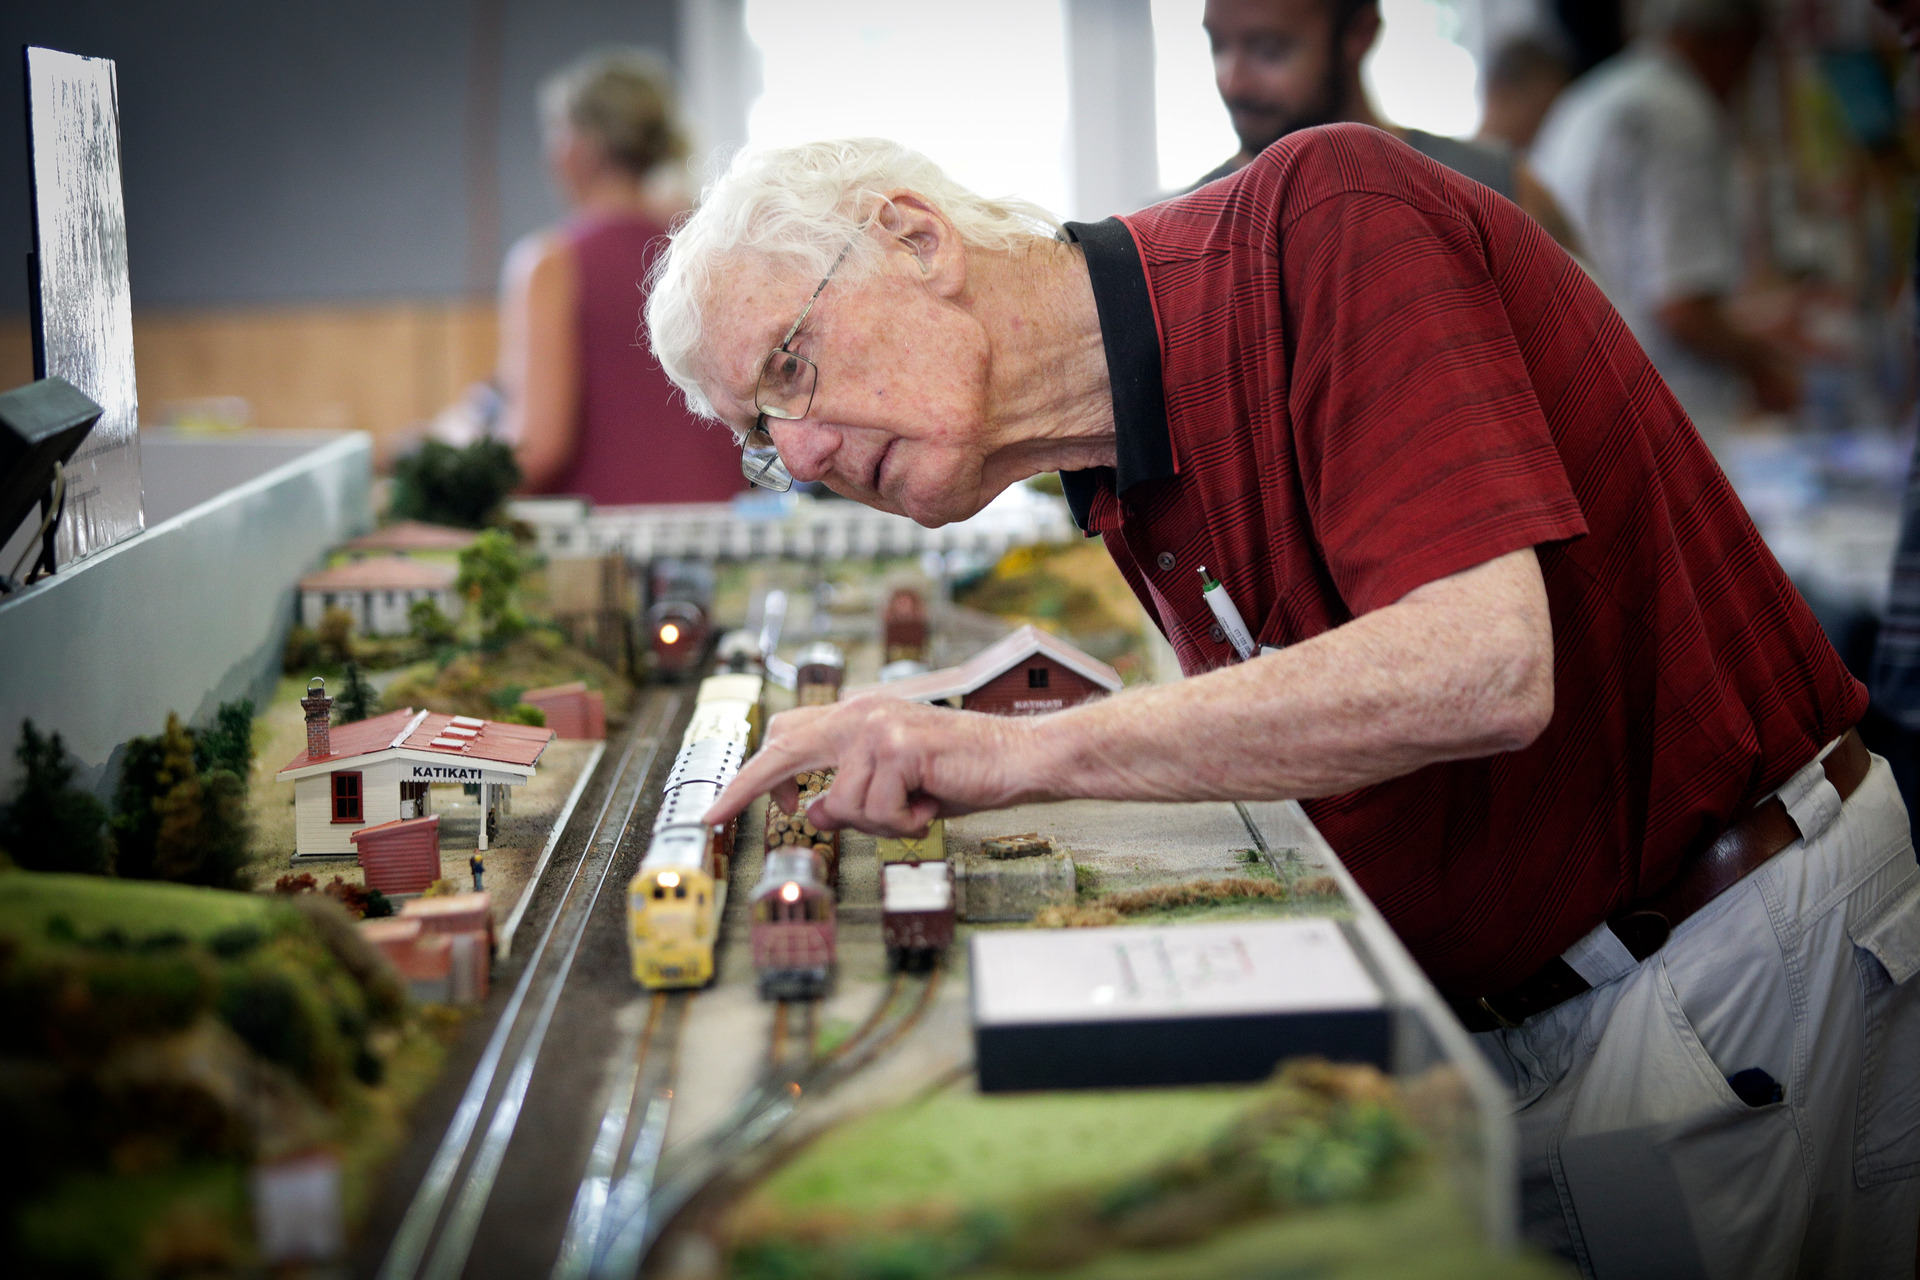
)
(160, 1040)
(1319, 1172)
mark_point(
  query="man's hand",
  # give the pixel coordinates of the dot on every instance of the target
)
(899, 765)
(1458, 668)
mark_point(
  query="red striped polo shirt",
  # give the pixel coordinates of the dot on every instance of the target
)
(1346, 372)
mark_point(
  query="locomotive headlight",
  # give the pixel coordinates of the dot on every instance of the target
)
(790, 892)
(669, 633)
(668, 879)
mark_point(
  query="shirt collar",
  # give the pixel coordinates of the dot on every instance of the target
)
(1132, 339)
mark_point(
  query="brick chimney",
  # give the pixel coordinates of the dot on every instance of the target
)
(319, 709)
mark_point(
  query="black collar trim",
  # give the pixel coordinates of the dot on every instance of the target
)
(1132, 339)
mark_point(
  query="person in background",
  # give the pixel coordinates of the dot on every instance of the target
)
(1894, 678)
(1639, 153)
(478, 866)
(1523, 77)
(589, 409)
(1284, 65)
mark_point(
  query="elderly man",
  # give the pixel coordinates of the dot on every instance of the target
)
(1536, 677)
(1640, 154)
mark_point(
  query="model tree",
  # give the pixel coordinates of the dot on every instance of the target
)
(171, 822)
(444, 485)
(489, 573)
(135, 826)
(228, 742)
(429, 625)
(335, 635)
(52, 825)
(356, 697)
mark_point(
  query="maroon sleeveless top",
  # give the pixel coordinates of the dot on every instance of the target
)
(636, 441)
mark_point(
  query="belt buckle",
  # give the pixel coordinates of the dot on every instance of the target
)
(1505, 1022)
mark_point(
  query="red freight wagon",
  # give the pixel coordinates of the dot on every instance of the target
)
(792, 927)
(916, 913)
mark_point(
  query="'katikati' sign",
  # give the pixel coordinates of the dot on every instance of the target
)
(459, 773)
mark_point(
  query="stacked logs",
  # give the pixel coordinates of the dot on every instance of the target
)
(793, 829)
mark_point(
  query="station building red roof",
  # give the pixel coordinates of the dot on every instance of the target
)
(435, 733)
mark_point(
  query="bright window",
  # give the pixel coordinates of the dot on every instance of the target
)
(979, 88)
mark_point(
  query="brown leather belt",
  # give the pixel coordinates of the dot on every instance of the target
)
(1645, 926)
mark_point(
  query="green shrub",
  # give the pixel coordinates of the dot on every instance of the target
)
(445, 485)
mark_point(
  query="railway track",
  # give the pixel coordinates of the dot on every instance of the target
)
(435, 1237)
(760, 1116)
(631, 1189)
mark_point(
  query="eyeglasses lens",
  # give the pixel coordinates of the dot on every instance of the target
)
(761, 464)
(786, 385)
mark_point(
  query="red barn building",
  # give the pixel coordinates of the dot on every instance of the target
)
(1027, 674)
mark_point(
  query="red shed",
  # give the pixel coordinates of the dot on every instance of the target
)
(1029, 673)
(402, 856)
(573, 710)
(452, 913)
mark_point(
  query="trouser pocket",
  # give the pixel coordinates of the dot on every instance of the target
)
(1887, 1133)
(1665, 1170)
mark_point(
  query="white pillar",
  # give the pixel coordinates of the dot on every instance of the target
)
(719, 76)
(483, 817)
(1115, 151)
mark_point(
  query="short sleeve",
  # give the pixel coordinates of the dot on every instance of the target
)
(1420, 443)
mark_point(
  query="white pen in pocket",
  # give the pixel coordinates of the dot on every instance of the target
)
(1227, 615)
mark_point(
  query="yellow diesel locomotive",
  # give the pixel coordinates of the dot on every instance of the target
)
(675, 900)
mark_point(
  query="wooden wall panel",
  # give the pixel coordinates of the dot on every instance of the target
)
(384, 369)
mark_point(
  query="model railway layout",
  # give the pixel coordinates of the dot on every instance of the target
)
(631, 1187)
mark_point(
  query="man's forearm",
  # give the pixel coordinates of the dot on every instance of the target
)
(1461, 668)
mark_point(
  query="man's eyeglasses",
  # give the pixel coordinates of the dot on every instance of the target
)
(785, 391)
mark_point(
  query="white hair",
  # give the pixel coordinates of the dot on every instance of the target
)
(802, 206)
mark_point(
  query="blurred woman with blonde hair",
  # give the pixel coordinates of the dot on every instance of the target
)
(589, 408)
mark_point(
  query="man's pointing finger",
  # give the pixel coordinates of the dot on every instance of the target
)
(773, 765)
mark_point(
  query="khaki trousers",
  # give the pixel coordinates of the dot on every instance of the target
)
(1639, 1160)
